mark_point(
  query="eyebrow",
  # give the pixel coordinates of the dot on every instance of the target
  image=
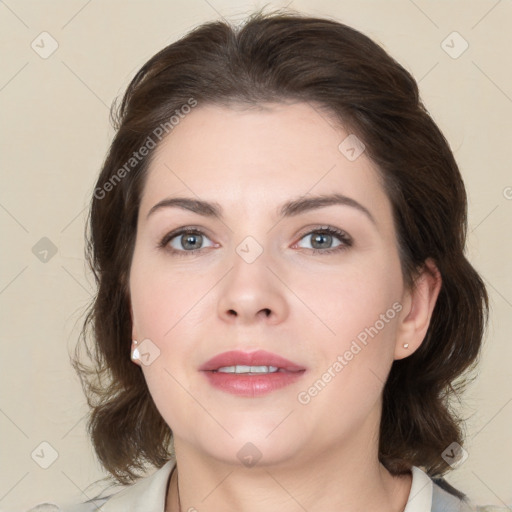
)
(288, 209)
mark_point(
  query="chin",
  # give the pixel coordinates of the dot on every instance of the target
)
(253, 447)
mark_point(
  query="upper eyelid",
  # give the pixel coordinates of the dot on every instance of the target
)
(323, 227)
(171, 235)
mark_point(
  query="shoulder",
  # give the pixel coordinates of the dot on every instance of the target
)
(88, 506)
(435, 494)
(147, 494)
(446, 498)
(92, 505)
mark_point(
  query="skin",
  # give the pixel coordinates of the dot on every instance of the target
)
(318, 456)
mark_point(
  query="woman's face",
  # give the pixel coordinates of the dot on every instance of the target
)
(267, 272)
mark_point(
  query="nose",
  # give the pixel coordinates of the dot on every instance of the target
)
(252, 293)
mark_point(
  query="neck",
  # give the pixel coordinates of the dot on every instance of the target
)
(323, 483)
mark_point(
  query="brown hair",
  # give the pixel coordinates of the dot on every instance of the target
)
(271, 58)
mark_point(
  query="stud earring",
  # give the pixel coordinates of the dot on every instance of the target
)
(406, 345)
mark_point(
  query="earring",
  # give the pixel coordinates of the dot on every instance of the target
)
(135, 351)
(406, 345)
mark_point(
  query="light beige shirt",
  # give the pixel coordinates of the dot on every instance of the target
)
(149, 494)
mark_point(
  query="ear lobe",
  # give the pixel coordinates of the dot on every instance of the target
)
(135, 354)
(134, 346)
(421, 300)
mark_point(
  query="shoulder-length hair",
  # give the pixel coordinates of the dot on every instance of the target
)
(279, 57)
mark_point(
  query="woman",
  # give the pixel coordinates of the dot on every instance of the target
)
(255, 368)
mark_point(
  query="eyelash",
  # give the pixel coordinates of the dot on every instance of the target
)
(326, 230)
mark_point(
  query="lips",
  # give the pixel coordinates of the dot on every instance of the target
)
(258, 358)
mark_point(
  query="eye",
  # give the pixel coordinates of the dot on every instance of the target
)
(185, 240)
(326, 240)
(189, 241)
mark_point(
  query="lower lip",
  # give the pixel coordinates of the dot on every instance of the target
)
(252, 385)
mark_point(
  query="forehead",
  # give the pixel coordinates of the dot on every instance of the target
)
(254, 158)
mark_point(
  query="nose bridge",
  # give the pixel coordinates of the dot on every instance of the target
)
(250, 290)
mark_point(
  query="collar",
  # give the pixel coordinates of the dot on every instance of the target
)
(146, 494)
(149, 493)
(420, 495)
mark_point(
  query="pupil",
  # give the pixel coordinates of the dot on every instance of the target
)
(321, 238)
(188, 241)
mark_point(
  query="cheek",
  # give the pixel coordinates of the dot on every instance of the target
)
(163, 312)
(161, 297)
(359, 306)
(148, 302)
(352, 365)
(352, 296)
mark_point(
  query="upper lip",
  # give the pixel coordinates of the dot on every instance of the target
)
(257, 358)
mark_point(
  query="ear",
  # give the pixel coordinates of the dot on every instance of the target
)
(418, 307)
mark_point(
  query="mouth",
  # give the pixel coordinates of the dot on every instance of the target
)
(251, 374)
(252, 370)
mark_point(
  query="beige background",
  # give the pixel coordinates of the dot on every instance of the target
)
(55, 132)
